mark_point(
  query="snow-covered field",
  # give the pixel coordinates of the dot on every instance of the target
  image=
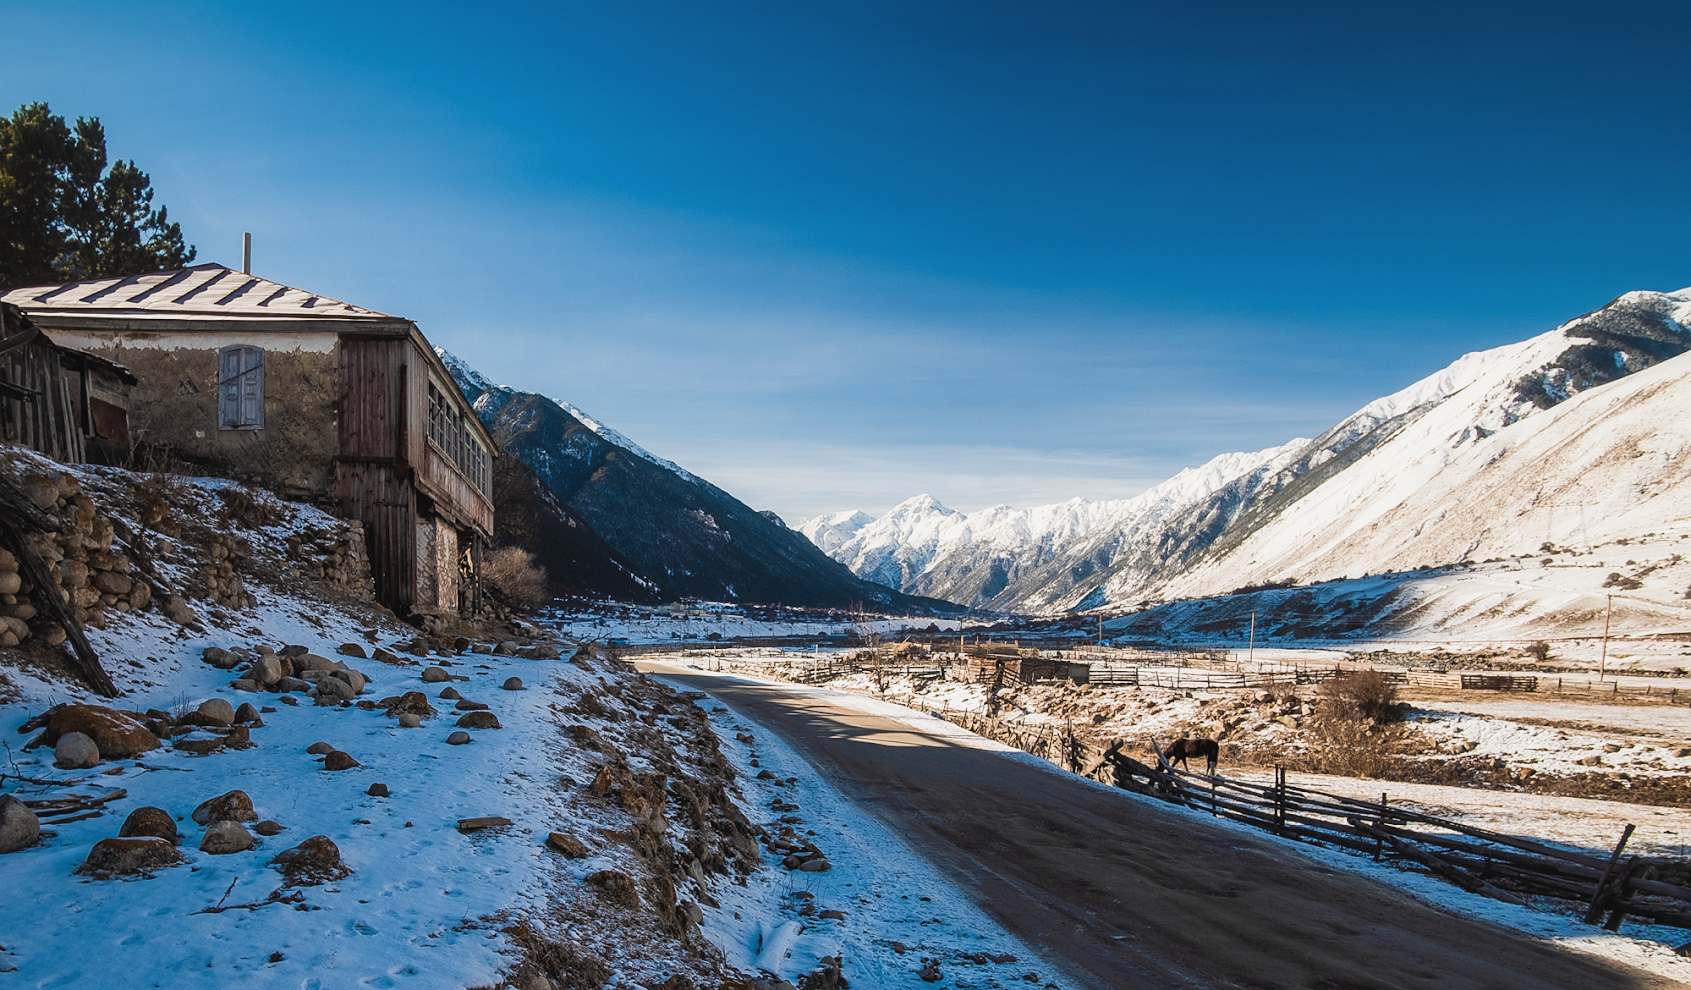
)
(637, 625)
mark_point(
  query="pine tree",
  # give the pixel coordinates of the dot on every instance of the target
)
(64, 216)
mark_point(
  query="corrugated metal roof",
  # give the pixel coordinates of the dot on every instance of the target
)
(199, 292)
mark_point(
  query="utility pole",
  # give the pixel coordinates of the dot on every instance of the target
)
(1100, 631)
(1603, 659)
(1253, 656)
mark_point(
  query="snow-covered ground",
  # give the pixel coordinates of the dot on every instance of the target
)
(637, 625)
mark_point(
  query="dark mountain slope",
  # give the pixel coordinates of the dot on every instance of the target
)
(683, 534)
(577, 560)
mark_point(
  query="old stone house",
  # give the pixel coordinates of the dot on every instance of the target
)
(313, 398)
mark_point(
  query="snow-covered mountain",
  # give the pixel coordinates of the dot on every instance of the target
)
(1379, 490)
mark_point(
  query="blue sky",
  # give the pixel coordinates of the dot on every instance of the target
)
(830, 256)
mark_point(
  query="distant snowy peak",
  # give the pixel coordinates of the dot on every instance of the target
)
(830, 531)
(488, 397)
(1083, 554)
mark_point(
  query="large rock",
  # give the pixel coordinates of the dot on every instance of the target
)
(137, 855)
(334, 687)
(338, 760)
(292, 684)
(409, 721)
(316, 860)
(234, 806)
(353, 678)
(478, 720)
(351, 650)
(75, 751)
(267, 670)
(218, 709)
(220, 658)
(248, 715)
(570, 846)
(19, 828)
(435, 675)
(117, 736)
(223, 838)
(459, 738)
(411, 702)
(149, 821)
(199, 743)
(513, 684)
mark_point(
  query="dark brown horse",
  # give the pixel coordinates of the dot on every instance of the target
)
(1181, 748)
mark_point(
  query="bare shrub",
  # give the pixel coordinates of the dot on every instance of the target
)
(1539, 651)
(1362, 696)
(249, 509)
(514, 576)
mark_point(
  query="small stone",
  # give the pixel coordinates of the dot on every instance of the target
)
(247, 715)
(353, 678)
(224, 838)
(75, 751)
(288, 700)
(351, 650)
(818, 865)
(765, 775)
(316, 860)
(245, 684)
(217, 708)
(478, 720)
(458, 738)
(292, 650)
(383, 656)
(409, 721)
(465, 705)
(267, 827)
(319, 749)
(339, 761)
(239, 737)
(513, 684)
(234, 806)
(435, 675)
(287, 684)
(378, 790)
(336, 689)
(449, 694)
(831, 914)
(137, 855)
(149, 821)
(570, 846)
(220, 658)
(19, 828)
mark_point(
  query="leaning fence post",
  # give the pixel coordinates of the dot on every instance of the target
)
(1379, 837)
(1604, 882)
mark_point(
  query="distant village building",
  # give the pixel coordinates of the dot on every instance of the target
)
(66, 404)
(316, 399)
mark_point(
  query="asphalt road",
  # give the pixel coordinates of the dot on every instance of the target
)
(1120, 892)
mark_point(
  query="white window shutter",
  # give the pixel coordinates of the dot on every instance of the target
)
(252, 388)
(240, 389)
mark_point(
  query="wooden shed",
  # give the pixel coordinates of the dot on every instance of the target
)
(313, 398)
(67, 404)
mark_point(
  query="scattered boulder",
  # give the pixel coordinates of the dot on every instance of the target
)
(19, 828)
(335, 688)
(287, 684)
(198, 743)
(513, 684)
(247, 715)
(140, 854)
(458, 738)
(294, 650)
(246, 684)
(217, 708)
(466, 705)
(478, 720)
(223, 838)
(818, 865)
(435, 675)
(409, 721)
(616, 887)
(316, 860)
(267, 670)
(383, 656)
(351, 650)
(414, 702)
(177, 610)
(75, 751)
(149, 821)
(378, 790)
(570, 846)
(449, 694)
(338, 760)
(234, 806)
(267, 827)
(117, 736)
(220, 658)
(319, 749)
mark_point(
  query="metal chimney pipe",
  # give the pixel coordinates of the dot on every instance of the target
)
(246, 254)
